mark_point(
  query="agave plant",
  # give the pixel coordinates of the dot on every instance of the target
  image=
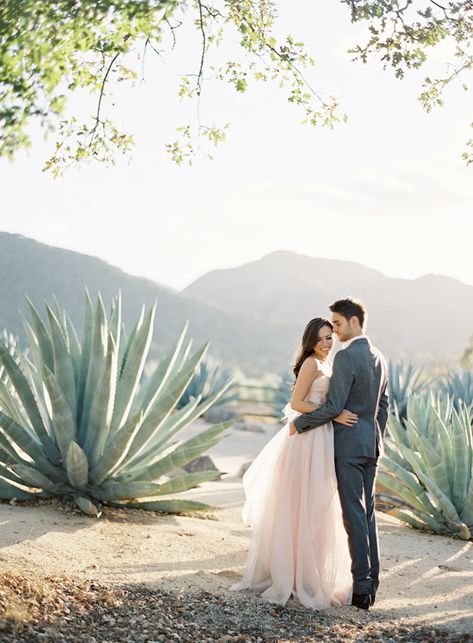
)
(459, 386)
(283, 393)
(9, 341)
(404, 380)
(81, 424)
(427, 469)
(206, 381)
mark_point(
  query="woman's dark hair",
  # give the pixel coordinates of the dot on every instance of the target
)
(350, 307)
(309, 340)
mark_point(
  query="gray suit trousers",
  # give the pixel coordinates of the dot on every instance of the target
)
(356, 480)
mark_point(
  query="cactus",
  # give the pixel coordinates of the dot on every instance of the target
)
(427, 469)
(206, 381)
(81, 424)
(459, 386)
(404, 380)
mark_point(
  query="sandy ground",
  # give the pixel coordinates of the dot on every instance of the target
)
(425, 578)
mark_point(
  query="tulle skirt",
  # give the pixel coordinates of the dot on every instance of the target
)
(299, 545)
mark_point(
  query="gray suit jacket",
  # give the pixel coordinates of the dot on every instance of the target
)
(359, 384)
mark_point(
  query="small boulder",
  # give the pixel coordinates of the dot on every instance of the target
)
(201, 463)
(244, 468)
(217, 414)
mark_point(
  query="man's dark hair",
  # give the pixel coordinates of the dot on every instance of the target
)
(350, 307)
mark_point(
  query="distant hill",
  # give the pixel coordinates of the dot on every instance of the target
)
(254, 314)
(421, 318)
(38, 270)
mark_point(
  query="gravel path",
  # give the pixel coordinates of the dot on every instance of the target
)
(62, 609)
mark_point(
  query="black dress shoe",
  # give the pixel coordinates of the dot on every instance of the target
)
(362, 601)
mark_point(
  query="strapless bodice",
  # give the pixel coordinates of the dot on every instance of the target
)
(319, 390)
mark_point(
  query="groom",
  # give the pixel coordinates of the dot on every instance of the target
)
(359, 384)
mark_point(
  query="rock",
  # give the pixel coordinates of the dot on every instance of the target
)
(201, 463)
(243, 469)
(249, 426)
(218, 414)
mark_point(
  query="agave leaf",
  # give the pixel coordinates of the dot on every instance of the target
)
(163, 406)
(9, 474)
(393, 454)
(184, 355)
(115, 490)
(87, 506)
(173, 424)
(461, 460)
(7, 446)
(10, 491)
(406, 477)
(116, 319)
(123, 355)
(187, 481)
(84, 364)
(132, 370)
(26, 396)
(102, 406)
(421, 502)
(467, 513)
(171, 505)
(6, 458)
(95, 368)
(62, 417)
(33, 345)
(8, 404)
(42, 337)
(33, 478)
(443, 447)
(397, 431)
(75, 350)
(441, 500)
(415, 522)
(115, 450)
(29, 444)
(77, 466)
(168, 428)
(433, 461)
(161, 374)
(186, 452)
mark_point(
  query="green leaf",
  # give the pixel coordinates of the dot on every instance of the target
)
(171, 505)
(116, 449)
(87, 506)
(26, 396)
(77, 466)
(133, 367)
(102, 406)
(33, 478)
(10, 491)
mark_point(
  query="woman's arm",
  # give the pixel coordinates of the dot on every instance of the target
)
(308, 373)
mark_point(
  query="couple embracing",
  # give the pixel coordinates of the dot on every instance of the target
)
(310, 491)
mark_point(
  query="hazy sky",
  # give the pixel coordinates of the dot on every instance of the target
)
(388, 189)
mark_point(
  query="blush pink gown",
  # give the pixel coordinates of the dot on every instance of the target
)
(298, 545)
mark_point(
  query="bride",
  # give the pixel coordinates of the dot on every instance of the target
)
(299, 544)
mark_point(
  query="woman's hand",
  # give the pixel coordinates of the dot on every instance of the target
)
(347, 418)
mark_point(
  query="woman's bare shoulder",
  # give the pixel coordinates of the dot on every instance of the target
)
(310, 366)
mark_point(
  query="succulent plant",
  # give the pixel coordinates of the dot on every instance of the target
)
(206, 381)
(404, 380)
(81, 423)
(283, 393)
(427, 469)
(459, 386)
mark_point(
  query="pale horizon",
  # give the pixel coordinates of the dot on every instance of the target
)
(388, 189)
(229, 267)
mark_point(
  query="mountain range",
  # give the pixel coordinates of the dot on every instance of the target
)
(254, 314)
